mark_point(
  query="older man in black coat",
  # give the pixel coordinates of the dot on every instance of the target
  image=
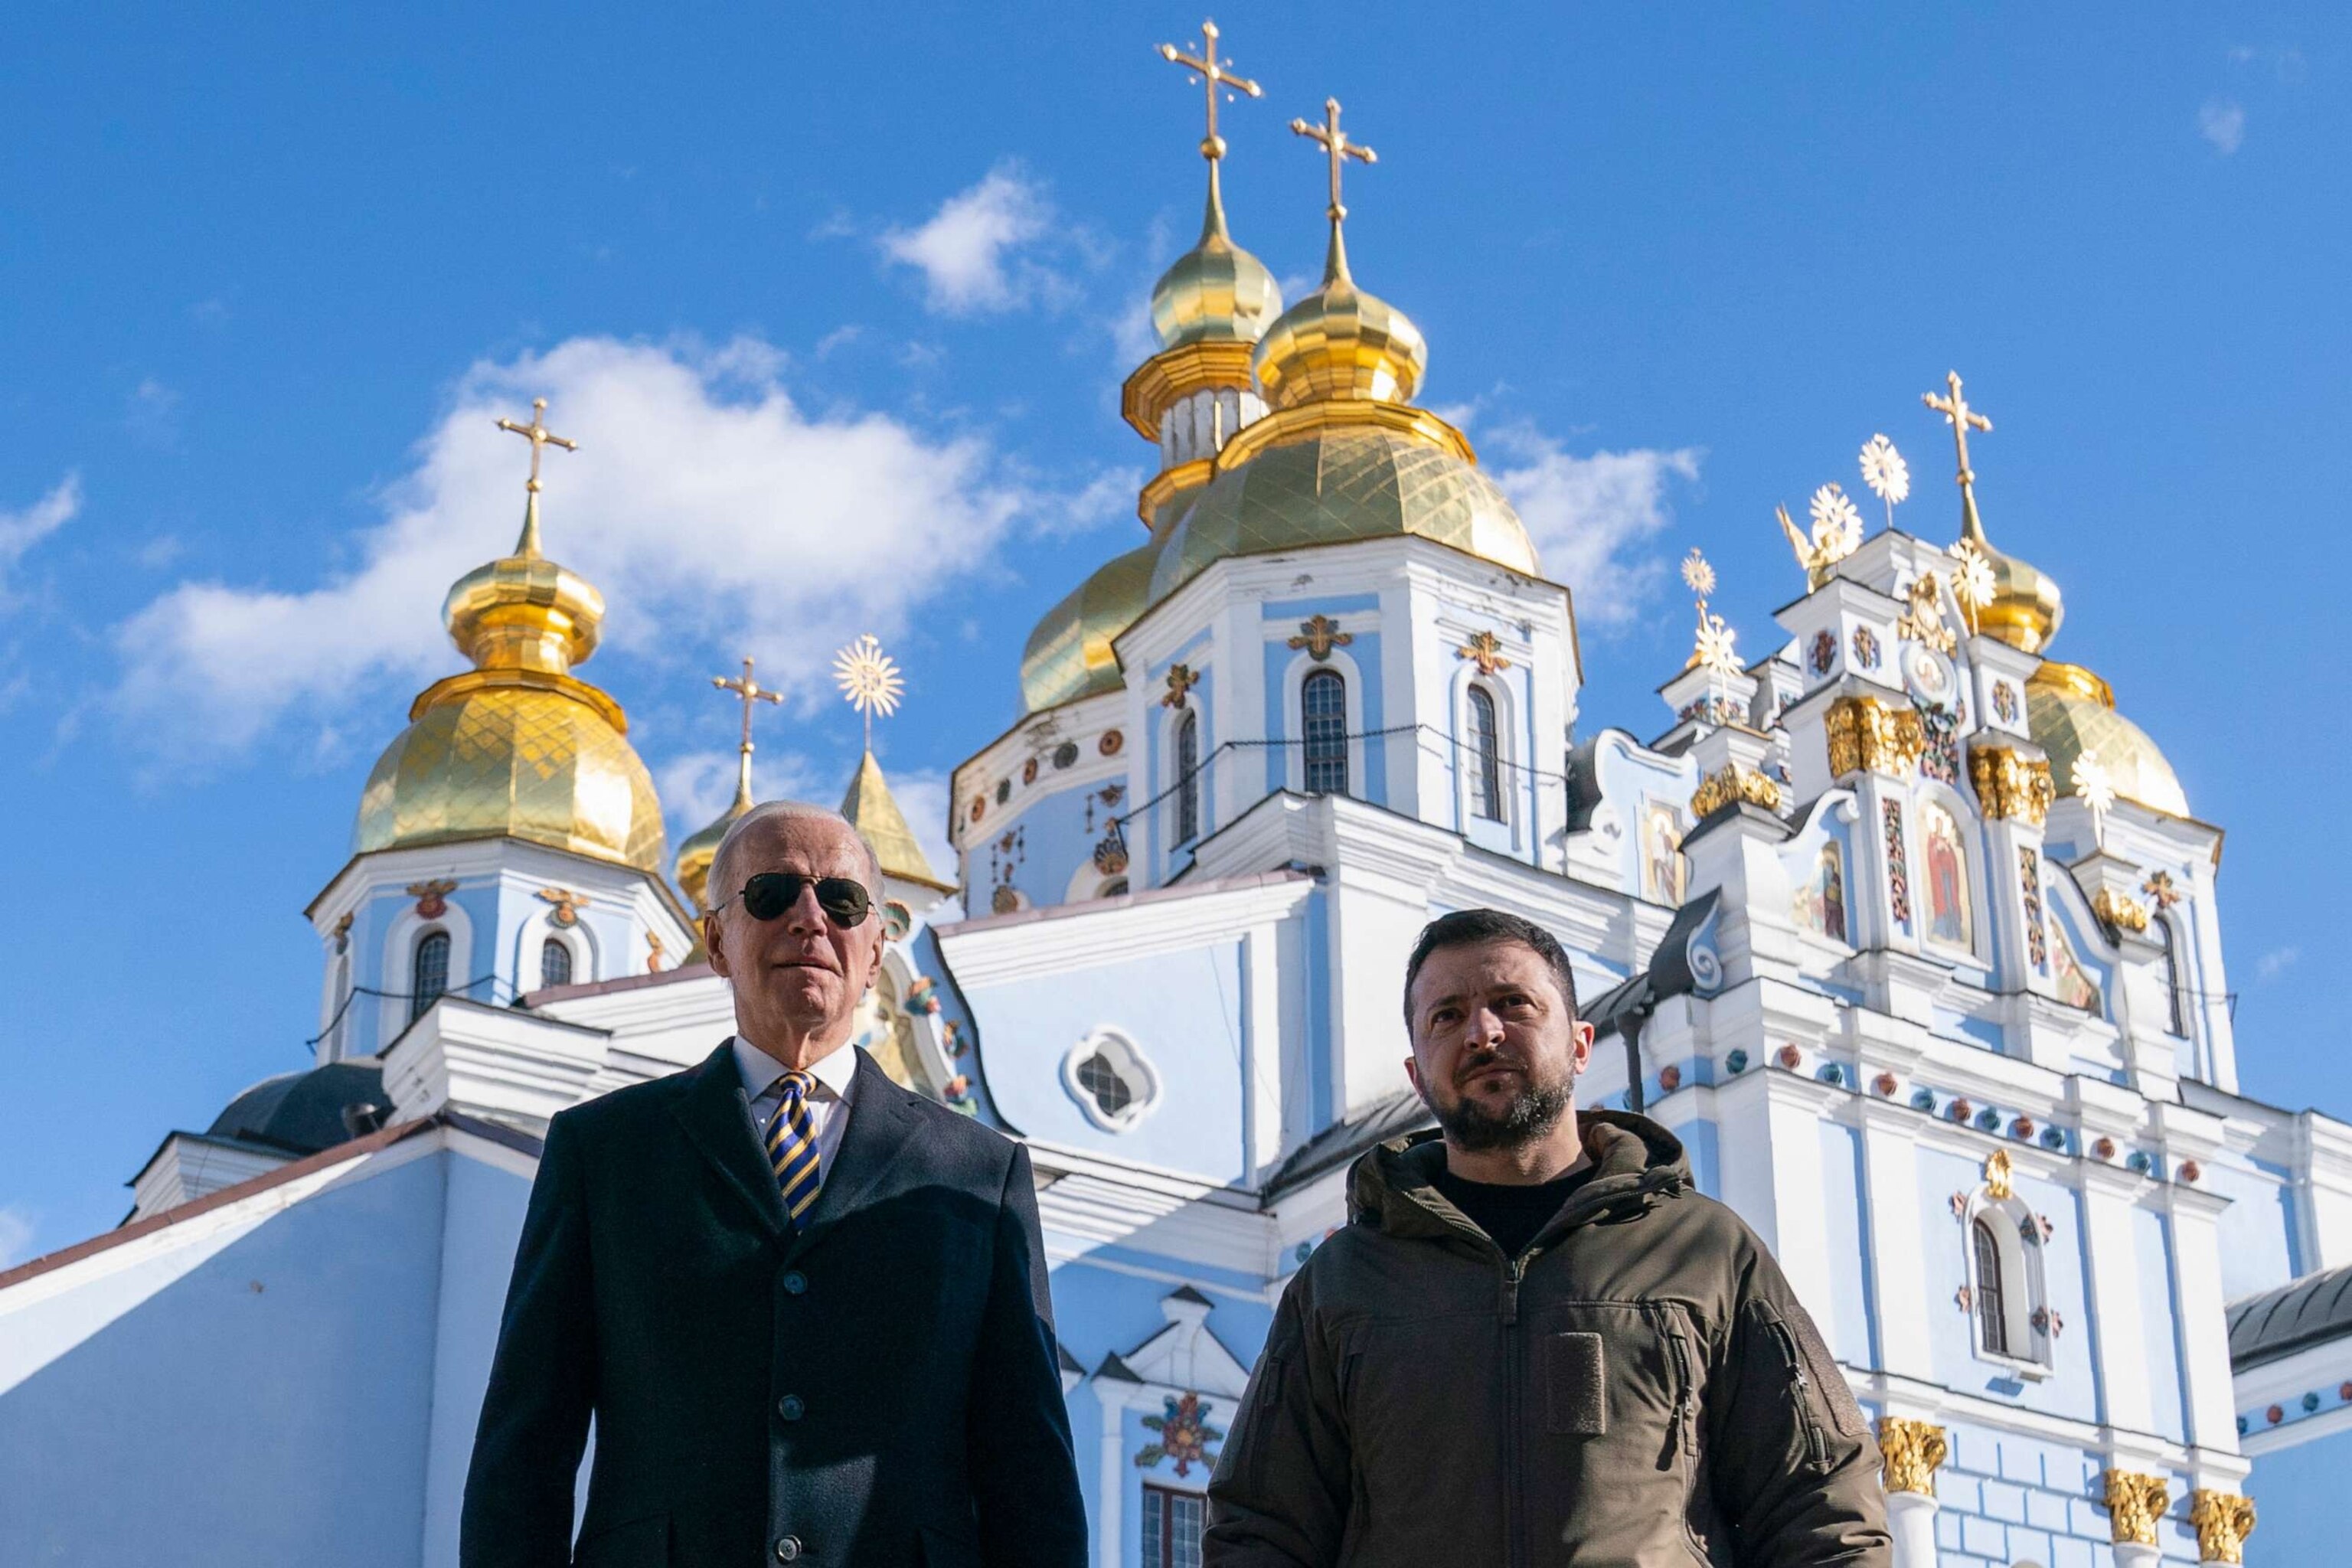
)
(805, 1308)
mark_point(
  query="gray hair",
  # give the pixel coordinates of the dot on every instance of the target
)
(722, 883)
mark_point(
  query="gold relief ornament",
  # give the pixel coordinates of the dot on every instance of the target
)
(1923, 621)
(2095, 790)
(2161, 890)
(869, 680)
(1886, 474)
(1485, 650)
(2120, 910)
(2222, 1521)
(432, 898)
(2008, 785)
(1836, 533)
(1715, 644)
(1319, 636)
(2134, 1502)
(1910, 1453)
(654, 948)
(1733, 782)
(2000, 1177)
(1865, 733)
(568, 905)
(1181, 679)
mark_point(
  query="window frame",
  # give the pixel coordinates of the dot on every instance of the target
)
(419, 999)
(1161, 1553)
(1335, 749)
(1488, 799)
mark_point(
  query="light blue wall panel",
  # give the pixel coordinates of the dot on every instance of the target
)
(1852, 1325)
(2299, 1504)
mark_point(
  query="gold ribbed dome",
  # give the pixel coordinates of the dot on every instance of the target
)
(1340, 342)
(1343, 482)
(2070, 712)
(1216, 291)
(2026, 608)
(1069, 654)
(516, 747)
(692, 867)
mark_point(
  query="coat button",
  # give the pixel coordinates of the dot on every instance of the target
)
(788, 1549)
(790, 1407)
(795, 1282)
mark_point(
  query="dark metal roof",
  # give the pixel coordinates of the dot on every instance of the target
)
(2311, 1310)
(1393, 1117)
(1669, 972)
(302, 1112)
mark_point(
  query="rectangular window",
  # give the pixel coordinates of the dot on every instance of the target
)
(1172, 1523)
(1323, 723)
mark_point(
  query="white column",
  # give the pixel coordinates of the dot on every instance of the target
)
(1109, 1490)
(1890, 1161)
(1911, 1520)
(2111, 1282)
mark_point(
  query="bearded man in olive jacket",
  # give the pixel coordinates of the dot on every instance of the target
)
(1535, 1344)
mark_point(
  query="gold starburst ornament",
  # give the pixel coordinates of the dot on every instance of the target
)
(869, 679)
(2095, 790)
(1837, 525)
(1697, 575)
(1973, 583)
(1886, 474)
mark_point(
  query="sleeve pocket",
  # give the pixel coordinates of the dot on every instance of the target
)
(1575, 1385)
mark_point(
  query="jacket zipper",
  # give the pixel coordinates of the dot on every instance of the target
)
(1514, 1490)
(1816, 1445)
(1680, 1351)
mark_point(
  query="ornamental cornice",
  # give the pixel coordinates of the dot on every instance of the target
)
(1169, 483)
(1172, 374)
(2223, 1521)
(2134, 1502)
(1284, 424)
(1865, 733)
(1733, 782)
(1911, 1451)
(2008, 785)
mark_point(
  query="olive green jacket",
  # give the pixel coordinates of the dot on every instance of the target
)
(1639, 1387)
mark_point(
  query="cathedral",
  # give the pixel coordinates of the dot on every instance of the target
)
(1906, 930)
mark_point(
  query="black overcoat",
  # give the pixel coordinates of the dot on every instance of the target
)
(877, 1387)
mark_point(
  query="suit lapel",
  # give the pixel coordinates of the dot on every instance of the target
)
(881, 1121)
(716, 1116)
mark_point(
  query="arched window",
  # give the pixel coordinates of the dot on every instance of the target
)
(2168, 970)
(554, 963)
(429, 972)
(1487, 746)
(1323, 723)
(1993, 1312)
(1188, 779)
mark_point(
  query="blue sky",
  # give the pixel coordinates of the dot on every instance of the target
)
(838, 301)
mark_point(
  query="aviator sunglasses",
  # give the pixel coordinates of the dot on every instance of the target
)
(843, 899)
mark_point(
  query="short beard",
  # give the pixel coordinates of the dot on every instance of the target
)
(1533, 1112)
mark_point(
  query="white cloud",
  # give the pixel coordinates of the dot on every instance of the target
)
(22, 530)
(923, 800)
(1110, 497)
(16, 1235)
(2223, 123)
(152, 413)
(2277, 962)
(709, 509)
(1591, 518)
(969, 250)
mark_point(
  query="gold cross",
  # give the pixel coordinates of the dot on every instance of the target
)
(1181, 679)
(1963, 419)
(751, 691)
(1319, 636)
(1335, 147)
(540, 436)
(1485, 650)
(1214, 75)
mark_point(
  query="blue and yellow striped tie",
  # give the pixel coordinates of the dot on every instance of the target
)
(792, 1146)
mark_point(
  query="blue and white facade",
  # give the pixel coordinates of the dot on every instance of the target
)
(1957, 1049)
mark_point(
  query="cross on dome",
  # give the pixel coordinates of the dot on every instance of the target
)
(541, 437)
(1214, 75)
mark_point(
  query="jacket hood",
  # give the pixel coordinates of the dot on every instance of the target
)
(1391, 1187)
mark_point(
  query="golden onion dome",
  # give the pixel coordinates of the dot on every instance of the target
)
(1216, 291)
(1340, 342)
(1069, 654)
(1339, 482)
(2071, 714)
(692, 867)
(516, 747)
(2026, 608)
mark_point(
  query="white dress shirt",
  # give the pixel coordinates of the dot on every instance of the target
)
(828, 1103)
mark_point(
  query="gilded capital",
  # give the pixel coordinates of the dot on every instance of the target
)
(1731, 783)
(1911, 1452)
(2134, 1502)
(2223, 1521)
(2008, 785)
(1863, 732)
(2120, 910)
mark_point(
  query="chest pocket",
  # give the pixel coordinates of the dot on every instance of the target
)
(1620, 1370)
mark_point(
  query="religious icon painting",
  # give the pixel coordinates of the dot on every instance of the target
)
(1661, 853)
(1927, 672)
(2005, 702)
(1821, 902)
(1823, 653)
(1948, 876)
(1865, 648)
(2076, 987)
